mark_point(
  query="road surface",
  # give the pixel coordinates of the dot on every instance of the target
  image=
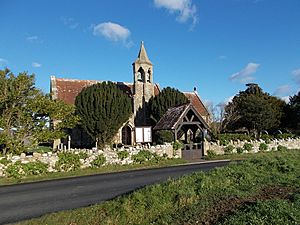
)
(25, 201)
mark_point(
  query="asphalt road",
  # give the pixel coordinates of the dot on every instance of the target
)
(25, 201)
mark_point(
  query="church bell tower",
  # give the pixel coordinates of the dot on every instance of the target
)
(143, 86)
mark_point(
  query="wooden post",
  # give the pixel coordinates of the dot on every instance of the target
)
(69, 142)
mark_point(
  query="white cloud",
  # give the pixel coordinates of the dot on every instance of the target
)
(283, 90)
(36, 65)
(246, 74)
(184, 9)
(228, 100)
(69, 22)
(112, 31)
(3, 62)
(296, 74)
(286, 99)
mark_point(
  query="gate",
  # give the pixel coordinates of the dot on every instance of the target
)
(192, 151)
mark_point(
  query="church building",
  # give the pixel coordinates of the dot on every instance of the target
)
(140, 90)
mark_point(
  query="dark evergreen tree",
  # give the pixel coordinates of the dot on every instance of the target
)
(103, 109)
(167, 98)
(254, 110)
(292, 119)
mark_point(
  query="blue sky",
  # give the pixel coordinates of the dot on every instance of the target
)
(214, 45)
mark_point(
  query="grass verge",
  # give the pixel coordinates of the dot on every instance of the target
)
(91, 171)
(220, 196)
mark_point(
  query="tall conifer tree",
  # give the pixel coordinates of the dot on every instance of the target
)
(167, 98)
(103, 109)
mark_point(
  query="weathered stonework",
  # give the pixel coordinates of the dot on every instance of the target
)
(110, 154)
(219, 149)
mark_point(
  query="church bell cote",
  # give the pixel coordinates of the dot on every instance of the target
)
(142, 67)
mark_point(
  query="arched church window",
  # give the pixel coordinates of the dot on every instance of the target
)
(148, 75)
(140, 74)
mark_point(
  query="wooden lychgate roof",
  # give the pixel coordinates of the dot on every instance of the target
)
(177, 116)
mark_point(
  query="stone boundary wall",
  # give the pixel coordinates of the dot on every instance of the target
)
(291, 143)
(111, 156)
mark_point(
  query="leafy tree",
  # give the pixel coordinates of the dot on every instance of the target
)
(254, 110)
(103, 109)
(167, 98)
(25, 113)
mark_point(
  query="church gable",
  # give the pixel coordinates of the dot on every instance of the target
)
(177, 116)
(195, 100)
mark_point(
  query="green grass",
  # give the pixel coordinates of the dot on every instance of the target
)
(91, 171)
(275, 212)
(236, 156)
(218, 196)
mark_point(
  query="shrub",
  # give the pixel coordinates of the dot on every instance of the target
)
(156, 158)
(67, 162)
(35, 168)
(123, 155)
(248, 147)
(83, 155)
(211, 154)
(18, 170)
(266, 137)
(224, 142)
(268, 141)
(263, 147)
(14, 170)
(284, 136)
(239, 150)
(142, 156)
(4, 161)
(281, 148)
(163, 136)
(226, 138)
(99, 161)
(40, 149)
(177, 145)
(228, 149)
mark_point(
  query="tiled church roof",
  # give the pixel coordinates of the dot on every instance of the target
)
(194, 98)
(67, 90)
